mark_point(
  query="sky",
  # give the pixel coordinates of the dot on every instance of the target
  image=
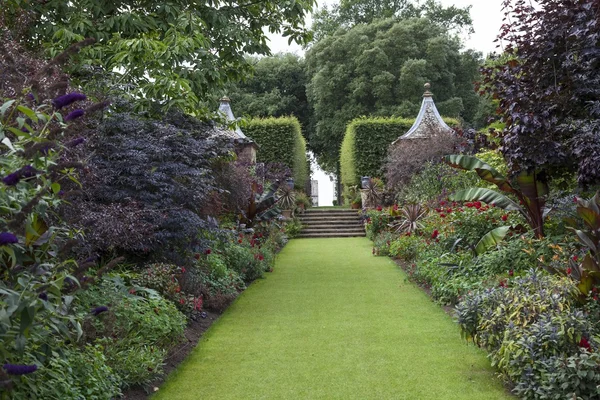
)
(487, 19)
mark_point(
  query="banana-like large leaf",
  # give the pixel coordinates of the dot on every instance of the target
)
(484, 170)
(488, 196)
(491, 239)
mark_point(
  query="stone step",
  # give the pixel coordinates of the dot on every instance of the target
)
(329, 220)
(332, 230)
(327, 224)
(329, 235)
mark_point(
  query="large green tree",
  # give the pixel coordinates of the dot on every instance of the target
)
(277, 88)
(348, 13)
(175, 52)
(380, 69)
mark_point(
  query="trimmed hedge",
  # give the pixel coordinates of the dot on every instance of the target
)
(281, 140)
(366, 144)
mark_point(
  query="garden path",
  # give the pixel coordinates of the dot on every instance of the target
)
(333, 322)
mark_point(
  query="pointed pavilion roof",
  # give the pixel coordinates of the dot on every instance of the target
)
(429, 119)
(225, 109)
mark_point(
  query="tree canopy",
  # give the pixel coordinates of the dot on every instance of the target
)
(277, 88)
(548, 87)
(380, 69)
(349, 13)
(174, 52)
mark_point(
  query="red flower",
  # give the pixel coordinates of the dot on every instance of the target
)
(585, 344)
(177, 289)
(395, 207)
(197, 256)
(435, 234)
(207, 251)
(407, 233)
(469, 204)
(575, 258)
(379, 208)
(511, 272)
(132, 291)
(502, 283)
(575, 199)
(504, 217)
(442, 215)
(181, 301)
(198, 303)
(569, 270)
(477, 205)
(240, 240)
(183, 270)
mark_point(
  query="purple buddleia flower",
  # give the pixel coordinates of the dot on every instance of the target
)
(99, 310)
(68, 99)
(75, 142)
(27, 172)
(11, 179)
(74, 114)
(19, 369)
(8, 238)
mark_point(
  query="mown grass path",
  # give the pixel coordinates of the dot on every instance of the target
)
(333, 322)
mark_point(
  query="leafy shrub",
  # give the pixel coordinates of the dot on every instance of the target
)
(376, 222)
(244, 261)
(165, 278)
(435, 182)
(408, 157)
(146, 169)
(80, 373)
(406, 247)
(383, 242)
(530, 326)
(281, 141)
(365, 145)
(293, 228)
(135, 332)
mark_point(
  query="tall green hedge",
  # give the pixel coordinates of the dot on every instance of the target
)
(366, 143)
(281, 140)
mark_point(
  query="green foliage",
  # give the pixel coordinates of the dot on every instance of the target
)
(436, 180)
(531, 189)
(293, 228)
(534, 334)
(177, 52)
(164, 278)
(366, 142)
(379, 69)
(281, 141)
(277, 88)
(382, 243)
(376, 222)
(78, 373)
(135, 332)
(406, 247)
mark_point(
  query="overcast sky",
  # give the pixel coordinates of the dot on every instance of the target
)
(487, 19)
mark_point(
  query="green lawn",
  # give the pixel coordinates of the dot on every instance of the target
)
(333, 322)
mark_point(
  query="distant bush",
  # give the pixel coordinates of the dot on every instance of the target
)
(281, 141)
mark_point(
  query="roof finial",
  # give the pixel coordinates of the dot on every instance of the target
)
(427, 92)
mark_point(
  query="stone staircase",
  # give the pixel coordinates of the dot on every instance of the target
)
(330, 222)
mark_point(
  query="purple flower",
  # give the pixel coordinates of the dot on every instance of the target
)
(7, 238)
(68, 99)
(44, 150)
(43, 296)
(99, 310)
(12, 179)
(74, 114)
(75, 142)
(27, 172)
(19, 369)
